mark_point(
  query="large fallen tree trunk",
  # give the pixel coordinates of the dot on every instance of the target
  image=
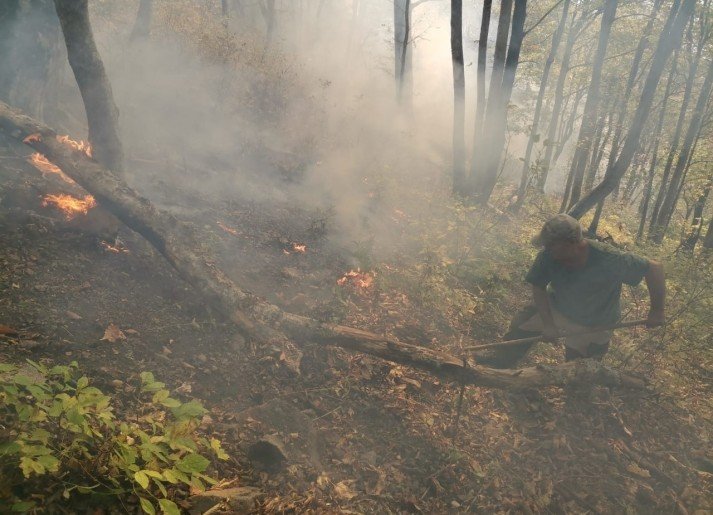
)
(180, 244)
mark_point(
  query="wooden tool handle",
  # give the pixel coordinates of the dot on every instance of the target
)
(539, 337)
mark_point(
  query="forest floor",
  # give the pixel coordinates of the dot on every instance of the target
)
(385, 431)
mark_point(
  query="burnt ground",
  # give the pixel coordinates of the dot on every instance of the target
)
(386, 430)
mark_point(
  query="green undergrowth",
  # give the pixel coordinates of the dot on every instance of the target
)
(64, 443)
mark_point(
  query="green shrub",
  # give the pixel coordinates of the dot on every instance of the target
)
(60, 438)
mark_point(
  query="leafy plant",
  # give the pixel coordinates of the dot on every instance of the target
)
(61, 437)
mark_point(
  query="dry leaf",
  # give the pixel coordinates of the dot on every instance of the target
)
(7, 330)
(112, 333)
(344, 491)
(635, 469)
(73, 315)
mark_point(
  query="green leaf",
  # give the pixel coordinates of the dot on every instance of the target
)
(193, 463)
(160, 486)
(169, 507)
(6, 367)
(49, 462)
(83, 382)
(30, 466)
(171, 402)
(160, 395)
(23, 506)
(153, 473)
(147, 377)
(23, 380)
(218, 450)
(141, 478)
(147, 506)
(191, 409)
(170, 476)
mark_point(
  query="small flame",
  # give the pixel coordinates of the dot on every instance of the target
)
(227, 229)
(299, 248)
(117, 248)
(40, 162)
(80, 146)
(358, 279)
(69, 205)
(32, 138)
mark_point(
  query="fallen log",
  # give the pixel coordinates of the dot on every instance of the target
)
(181, 245)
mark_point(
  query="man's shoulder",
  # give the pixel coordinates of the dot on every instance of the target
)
(606, 249)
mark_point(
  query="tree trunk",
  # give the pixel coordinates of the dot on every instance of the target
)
(708, 241)
(496, 118)
(589, 117)
(31, 57)
(458, 96)
(689, 244)
(669, 203)
(648, 187)
(179, 243)
(670, 39)
(101, 111)
(690, 80)
(534, 134)
(479, 164)
(549, 142)
(620, 112)
(402, 34)
(142, 26)
(480, 93)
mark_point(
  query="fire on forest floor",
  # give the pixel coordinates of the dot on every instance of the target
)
(387, 430)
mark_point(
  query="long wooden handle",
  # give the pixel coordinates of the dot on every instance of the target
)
(539, 337)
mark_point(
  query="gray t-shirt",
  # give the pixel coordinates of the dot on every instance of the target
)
(590, 295)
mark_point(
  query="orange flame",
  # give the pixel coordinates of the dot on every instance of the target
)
(40, 162)
(116, 249)
(80, 146)
(358, 279)
(32, 138)
(69, 205)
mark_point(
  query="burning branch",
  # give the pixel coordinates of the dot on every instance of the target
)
(69, 205)
(40, 162)
(358, 279)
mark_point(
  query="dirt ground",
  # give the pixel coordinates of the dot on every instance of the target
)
(386, 432)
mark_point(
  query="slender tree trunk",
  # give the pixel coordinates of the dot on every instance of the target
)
(499, 114)
(620, 112)
(669, 203)
(402, 34)
(669, 40)
(224, 8)
(689, 244)
(708, 241)
(102, 113)
(673, 149)
(597, 147)
(458, 96)
(549, 142)
(589, 117)
(480, 93)
(142, 25)
(480, 165)
(534, 130)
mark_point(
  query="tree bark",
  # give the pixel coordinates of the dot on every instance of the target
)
(402, 34)
(673, 149)
(180, 244)
(458, 96)
(496, 118)
(669, 40)
(479, 165)
(708, 241)
(102, 113)
(620, 112)
(669, 203)
(591, 106)
(480, 93)
(549, 142)
(142, 26)
(689, 244)
(534, 134)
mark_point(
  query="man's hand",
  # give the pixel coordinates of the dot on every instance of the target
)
(655, 318)
(550, 333)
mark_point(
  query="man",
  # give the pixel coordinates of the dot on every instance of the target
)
(576, 284)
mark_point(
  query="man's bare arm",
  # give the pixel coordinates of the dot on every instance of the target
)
(656, 283)
(542, 302)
